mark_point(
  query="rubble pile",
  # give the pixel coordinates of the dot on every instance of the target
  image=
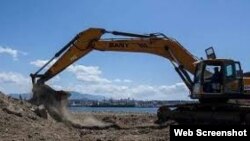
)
(21, 120)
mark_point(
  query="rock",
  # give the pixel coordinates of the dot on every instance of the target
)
(29, 136)
(10, 110)
(41, 112)
(33, 117)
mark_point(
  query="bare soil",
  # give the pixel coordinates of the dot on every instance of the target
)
(18, 121)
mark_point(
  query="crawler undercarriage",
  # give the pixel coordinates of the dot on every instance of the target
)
(209, 113)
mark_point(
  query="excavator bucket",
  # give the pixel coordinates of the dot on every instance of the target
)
(55, 102)
(44, 94)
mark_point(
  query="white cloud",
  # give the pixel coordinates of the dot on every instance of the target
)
(11, 77)
(88, 74)
(12, 52)
(144, 92)
(54, 80)
(40, 63)
(14, 82)
(178, 87)
(92, 70)
(117, 80)
(91, 81)
(57, 87)
(127, 81)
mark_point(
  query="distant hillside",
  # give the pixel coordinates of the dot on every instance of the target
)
(21, 95)
(74, 95)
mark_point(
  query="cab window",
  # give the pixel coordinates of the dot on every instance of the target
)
(229, 71)
(198, 73)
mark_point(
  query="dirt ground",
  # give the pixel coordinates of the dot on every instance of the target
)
(18, 122)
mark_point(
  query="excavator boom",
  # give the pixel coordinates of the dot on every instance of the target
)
(90, 40)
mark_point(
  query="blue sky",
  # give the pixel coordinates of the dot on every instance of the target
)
(32, 31)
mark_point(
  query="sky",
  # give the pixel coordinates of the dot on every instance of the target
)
(32, 31)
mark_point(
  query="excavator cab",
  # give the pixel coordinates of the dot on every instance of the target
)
(218, 79)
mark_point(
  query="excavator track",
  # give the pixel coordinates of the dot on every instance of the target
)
(210, 113)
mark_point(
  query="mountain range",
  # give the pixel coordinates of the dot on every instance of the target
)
(77, 95)
(74, 96)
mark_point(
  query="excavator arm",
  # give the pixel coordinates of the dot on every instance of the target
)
(90, 40)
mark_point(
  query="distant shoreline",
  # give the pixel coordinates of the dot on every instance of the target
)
(152, 110)
(111, 106)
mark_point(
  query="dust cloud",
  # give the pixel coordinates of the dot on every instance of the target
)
(55, 102)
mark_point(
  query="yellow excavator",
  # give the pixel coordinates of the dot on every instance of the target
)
(212, 81)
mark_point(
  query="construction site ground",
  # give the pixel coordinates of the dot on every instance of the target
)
(19, 122)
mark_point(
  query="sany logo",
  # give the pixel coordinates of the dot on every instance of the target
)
(118, 45)
(123, 45)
